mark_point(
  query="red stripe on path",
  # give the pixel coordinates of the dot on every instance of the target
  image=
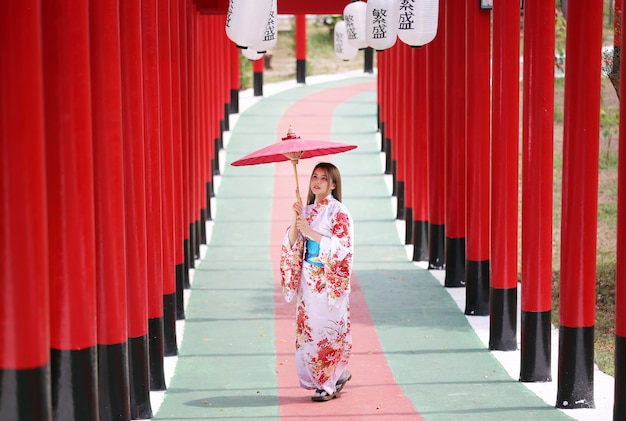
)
(372, 393)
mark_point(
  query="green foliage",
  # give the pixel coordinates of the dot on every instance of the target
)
(245, 72)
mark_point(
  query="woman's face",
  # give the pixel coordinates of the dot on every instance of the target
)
(320, 184)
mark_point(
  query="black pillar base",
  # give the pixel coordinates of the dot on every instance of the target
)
(455, 262)
(257, 83)
(209, 195)
(619, 404)
(388, 162)
(536, 348)
(400, 199)
(155, 349)
(575, 382)
(25, 394)
(477, 288)
(186, 264)
(420, 241)
(170, 347)
(180, 288)
(408, 225)
(202, 228)
(193, 240)
(301, 71)
(216, 157)
(436, 246)
(139, 374)
(113, 386)
(503, 320)
(74, 384)
(394, 178)
(368, 60)
(226, 120)
(234, 101)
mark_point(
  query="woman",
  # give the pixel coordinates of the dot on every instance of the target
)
(315, 265)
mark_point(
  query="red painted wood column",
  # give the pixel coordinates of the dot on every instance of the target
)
(399, 124)
(113, 380)
(193, 181)
(170, 347)
(537, 186)
(257, 76)
(135, 208)
(209, 115)
(71, 225)
(235, 78)
(301, 48)
(619, 397)
(185, 110)
(409, 143)
(455, 69)
(504, 184)
(478, 160)
(392, 128)
(436, 93)
(179, 210)
(580, 204)
(154, 196)
(420, 129)
(25, 333)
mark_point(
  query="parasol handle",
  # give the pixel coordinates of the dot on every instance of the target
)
(294, 163)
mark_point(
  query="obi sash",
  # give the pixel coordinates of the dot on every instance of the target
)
(311, 255)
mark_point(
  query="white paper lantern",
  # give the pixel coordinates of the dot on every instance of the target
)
(354, 16)
(251, 54)
(246, 21)
(381, 23)
(343, 49)
(418, 21)
(270, 36)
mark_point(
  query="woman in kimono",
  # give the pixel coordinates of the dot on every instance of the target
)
(316, 263)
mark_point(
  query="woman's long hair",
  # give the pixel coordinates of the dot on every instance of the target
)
(334, 177)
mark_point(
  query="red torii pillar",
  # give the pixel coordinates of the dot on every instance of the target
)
(579, 206)
(300, 48)
(419, 128)
(257, 76)
(455, 143)
(170, 346)
(537, 186)
(25, 353)
(436, 92)
(478, 160)
(113, 380)
(619, 398)
(135, 208)
(154, 197)
(504, 168)
(235, 79)
(71, 225)
(400, 127)
(179, 210)
(408, 107)
(185, 126)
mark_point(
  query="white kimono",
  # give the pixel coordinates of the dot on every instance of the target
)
(321, 280)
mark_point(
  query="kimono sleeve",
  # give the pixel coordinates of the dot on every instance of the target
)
(336, 254)
(291, 266)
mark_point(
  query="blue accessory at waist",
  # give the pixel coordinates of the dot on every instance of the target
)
(311, 255)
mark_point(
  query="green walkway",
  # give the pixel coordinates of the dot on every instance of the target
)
(227, 366)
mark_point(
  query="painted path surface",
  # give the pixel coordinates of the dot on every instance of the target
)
(415, 355)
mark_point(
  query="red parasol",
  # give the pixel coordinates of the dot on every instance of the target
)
(292, 148)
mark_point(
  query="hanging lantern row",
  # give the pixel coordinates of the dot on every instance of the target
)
(253, 26)
(343, 48)
(379, 23)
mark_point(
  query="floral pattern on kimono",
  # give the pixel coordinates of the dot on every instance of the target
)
(323, 336)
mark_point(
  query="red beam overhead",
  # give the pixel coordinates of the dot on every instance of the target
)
(285, 7)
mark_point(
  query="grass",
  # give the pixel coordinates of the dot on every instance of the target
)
(322, 60)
